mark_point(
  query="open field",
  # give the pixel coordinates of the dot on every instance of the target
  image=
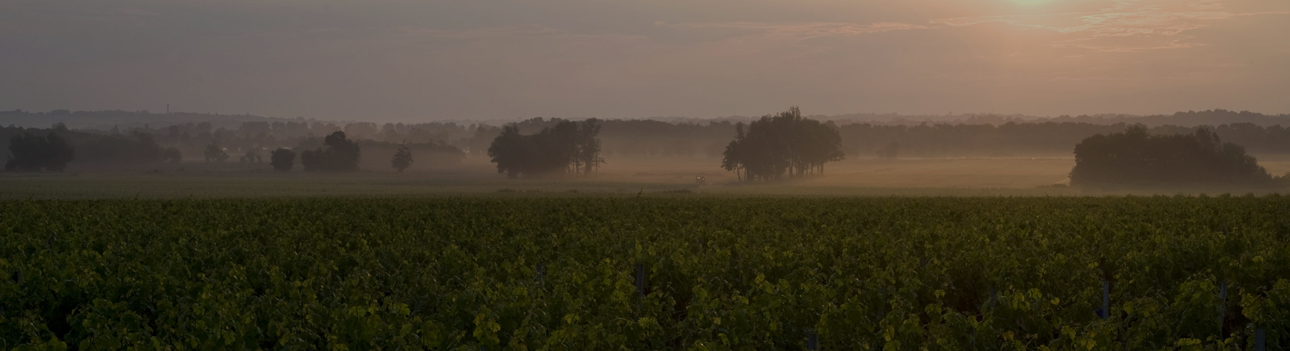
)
(1021, 176)
(470, 273)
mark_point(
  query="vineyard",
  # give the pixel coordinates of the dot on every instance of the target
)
(646, 273)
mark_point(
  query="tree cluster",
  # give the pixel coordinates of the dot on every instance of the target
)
(33, 153)
(782, 145)
(338, 154)
(568, 146)
(1136, 156)
(252, 156)
(215, 153)
(282, 159)
(1016, 139)
(172, 155)
(402, 159)
(118, 150)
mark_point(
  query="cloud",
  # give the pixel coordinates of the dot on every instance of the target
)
(478, 33)
(1175, 44)
(1209, 5)
(799, 30)
(1127, 26)
(488, 59)
(1152, 27)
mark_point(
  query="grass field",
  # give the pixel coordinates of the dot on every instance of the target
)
(546, 273)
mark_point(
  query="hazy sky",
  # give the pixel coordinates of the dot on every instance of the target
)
(390, 60)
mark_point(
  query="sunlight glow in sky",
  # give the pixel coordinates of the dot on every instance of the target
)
(404, 60)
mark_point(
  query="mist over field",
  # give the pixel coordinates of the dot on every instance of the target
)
(880, 155)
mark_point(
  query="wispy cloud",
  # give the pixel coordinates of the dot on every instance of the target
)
(488, 59)
(800, 30)
(1174, 44)
(478, 33)
(1209, 5)
(1156, 27)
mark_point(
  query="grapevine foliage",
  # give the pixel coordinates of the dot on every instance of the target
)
(721, 274)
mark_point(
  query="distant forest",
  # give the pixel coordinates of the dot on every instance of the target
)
(446, 143)
(105, 120)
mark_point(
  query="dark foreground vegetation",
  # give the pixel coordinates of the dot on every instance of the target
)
(551, 273)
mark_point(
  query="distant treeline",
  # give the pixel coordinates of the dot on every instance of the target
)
(56, 147)
(863, 135)
(104, 120)
(107, 119)
(445, 143)
(1020, 139)
(1188, 118)
(975, 135)
(34, 153)
(123, 147)
(32, 149)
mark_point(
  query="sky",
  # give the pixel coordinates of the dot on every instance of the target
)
(404, 60)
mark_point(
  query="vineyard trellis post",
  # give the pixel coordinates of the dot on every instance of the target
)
(1222, 306)
(1260, 339)
(1106, 300)
(640, 280)
(541, 272)
(994, 297)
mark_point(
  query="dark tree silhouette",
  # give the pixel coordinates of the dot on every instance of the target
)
(511, 151)
(337, 154)
(558, 148)
(282, 159)
(172, 155)
(402, 159)
(32, 153)
(564, 147)
(588, 153)
(782, 145)
(310, 160)
(215, 153)
(1135, 156)
(138, 149)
